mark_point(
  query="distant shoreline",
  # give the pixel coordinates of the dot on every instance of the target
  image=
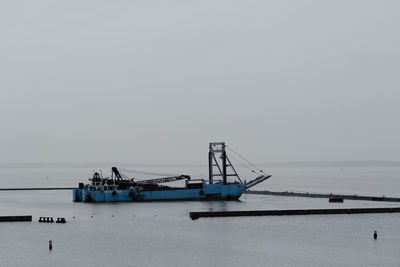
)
(338, 164)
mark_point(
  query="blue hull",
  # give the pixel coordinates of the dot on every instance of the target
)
(208, 191)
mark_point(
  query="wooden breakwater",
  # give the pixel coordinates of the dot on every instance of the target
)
(199, 214)
(36, 188)
(319, 195)
(24, 218)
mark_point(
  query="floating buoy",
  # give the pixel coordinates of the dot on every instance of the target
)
(112, 215)
(375, 235)
(50, 245)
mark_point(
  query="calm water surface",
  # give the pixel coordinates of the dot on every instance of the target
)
(162, 234)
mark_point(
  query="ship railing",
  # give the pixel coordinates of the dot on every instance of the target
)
(216, 181)
(100, 187)
(212, 181)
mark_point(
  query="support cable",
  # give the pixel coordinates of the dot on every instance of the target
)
(244, 159)
(241, 163)
(246, 164)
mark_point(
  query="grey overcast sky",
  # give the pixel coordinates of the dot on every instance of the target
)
(155, 81)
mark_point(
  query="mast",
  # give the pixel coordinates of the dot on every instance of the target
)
(223, 156)
(210, 167)
(217, 158)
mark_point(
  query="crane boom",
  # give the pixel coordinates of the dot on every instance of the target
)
(164, 180)
(258, 180)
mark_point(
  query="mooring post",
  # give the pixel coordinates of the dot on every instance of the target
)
(50, 245)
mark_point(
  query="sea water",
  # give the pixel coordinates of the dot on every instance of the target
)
(162, 234)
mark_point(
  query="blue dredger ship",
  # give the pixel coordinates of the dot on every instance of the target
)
(119, 187)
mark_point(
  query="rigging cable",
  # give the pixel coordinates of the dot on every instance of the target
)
(243, 164)
(245, 159)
